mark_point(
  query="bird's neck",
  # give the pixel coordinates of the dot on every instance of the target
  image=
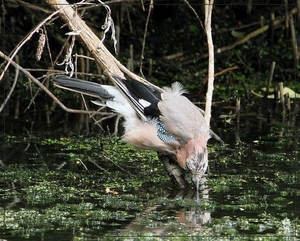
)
(187, 150)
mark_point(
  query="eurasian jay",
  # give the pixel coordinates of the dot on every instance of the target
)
(163, 120)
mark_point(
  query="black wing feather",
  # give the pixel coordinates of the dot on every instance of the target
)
(137, 91)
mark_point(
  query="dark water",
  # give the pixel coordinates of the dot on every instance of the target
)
(50, 190)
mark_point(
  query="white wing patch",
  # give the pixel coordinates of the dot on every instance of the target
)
(144, 103)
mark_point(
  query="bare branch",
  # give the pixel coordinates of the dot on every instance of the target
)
(194, 11)
(38, 83)
(11, 90)
(94, 45)
(145, 35)
(27, 38)
(210, 87)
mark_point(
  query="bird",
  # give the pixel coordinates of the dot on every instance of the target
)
(159, 119)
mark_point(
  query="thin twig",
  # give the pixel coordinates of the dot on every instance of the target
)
(249, 36)
(194, 11)
(90, 115)
(294, 39)
(145, 35)
(27, 38)
(38, 83)
(11, 90)
(107, 158)
(78, 159)
(31, 6)
(33, 97)
(98, 166)
(270, 78)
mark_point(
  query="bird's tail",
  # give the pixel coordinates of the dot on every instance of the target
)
(106, 95)
(83, 87)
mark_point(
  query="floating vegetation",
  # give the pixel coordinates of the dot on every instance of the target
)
(99, 188)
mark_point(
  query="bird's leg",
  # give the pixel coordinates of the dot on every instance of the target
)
(174, 170)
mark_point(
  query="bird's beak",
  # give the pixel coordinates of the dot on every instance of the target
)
(196, 182)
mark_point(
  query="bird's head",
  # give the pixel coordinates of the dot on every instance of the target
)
(193, 157)
(197, 163)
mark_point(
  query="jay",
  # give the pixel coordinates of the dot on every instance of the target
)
(163, 120)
